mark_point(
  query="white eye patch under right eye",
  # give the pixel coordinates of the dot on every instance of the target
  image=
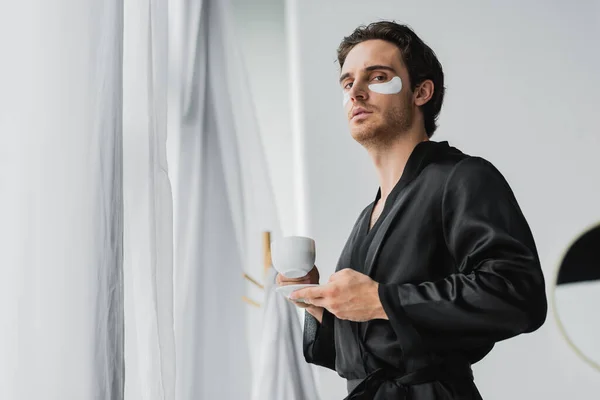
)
(393, 86)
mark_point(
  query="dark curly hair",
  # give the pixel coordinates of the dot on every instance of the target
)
(421, 62)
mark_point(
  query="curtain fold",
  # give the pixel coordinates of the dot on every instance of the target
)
(61, 294)
(148, 228)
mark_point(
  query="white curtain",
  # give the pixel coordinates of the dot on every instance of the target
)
(104, 266)
(148, 240)
(282, 372)
(222, 201)
(61, 208)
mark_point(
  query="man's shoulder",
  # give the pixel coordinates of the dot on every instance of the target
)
(456, 171)
(452, 162)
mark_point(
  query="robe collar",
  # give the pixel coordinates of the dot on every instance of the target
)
(422, 155)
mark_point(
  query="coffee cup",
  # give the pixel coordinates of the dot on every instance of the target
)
(293, 256)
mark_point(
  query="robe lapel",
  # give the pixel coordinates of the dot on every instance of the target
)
(346, 255)
(423, 154)
(380, 236)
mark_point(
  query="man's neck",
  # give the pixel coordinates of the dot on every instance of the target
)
(390, 160)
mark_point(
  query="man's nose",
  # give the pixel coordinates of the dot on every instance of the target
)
(358, 91)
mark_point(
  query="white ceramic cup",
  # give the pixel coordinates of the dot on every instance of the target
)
(293, 256)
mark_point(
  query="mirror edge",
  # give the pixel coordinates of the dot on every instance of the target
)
(559, 323)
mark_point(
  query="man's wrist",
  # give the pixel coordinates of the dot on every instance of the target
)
(378, 311)
(316, 312)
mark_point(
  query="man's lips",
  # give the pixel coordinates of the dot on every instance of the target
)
(359, 112)
(360, 115)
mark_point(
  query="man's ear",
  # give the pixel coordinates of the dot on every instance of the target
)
(423, 92)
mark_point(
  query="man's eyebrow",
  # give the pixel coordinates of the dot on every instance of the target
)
(370, 68)
(383, 67)
(344, 76)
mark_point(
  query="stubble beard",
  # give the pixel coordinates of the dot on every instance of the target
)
(389, 127)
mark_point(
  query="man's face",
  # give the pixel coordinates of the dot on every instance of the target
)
(377, 112)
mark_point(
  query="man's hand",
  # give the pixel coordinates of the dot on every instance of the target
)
(311, 278)
(348, 295)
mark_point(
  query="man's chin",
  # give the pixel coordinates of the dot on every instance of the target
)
(363, 136)
(369, 138)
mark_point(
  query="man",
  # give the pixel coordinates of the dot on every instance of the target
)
(442, 264)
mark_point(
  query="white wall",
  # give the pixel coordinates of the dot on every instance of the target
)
(522, 92)
(574, 304)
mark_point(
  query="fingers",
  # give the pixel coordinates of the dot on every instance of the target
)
(300, 304)
(314, 296)
(311, 278)
(294, 282)
(307, 293)
(283, 281)
(318, 302)
(306, 303)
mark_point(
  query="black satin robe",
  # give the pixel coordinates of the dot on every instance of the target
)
(458, 271)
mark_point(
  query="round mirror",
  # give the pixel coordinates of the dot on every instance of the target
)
(577, 296)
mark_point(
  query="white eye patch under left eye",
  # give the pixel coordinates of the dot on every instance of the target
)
(393, 86)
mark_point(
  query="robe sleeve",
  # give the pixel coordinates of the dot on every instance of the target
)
(498, 290)
(319, 345)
